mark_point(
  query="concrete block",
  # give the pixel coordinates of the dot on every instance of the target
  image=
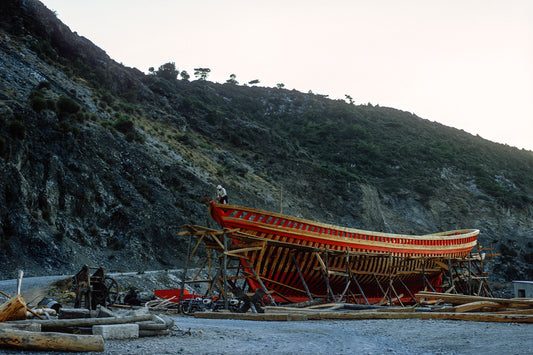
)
(117, 331)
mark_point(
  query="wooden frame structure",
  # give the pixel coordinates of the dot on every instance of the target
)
(298, 273)
(468, 275)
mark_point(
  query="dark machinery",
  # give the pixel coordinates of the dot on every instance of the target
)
(93, 290)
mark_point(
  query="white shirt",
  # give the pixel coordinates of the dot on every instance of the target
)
(221, 192)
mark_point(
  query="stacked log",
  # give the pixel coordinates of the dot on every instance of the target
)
(363, 315)
(63, 334)
(466, 308)
(466, 303)
(27, 340)
(162, 304)
(59, 334)
(155, 327)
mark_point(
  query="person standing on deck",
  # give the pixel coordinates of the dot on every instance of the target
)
(222, 196)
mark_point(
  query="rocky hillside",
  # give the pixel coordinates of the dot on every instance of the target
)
(102, 165)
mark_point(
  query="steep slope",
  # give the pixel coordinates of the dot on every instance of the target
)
(102, 165)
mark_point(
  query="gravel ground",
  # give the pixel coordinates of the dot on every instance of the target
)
(414, 336)
(216, 336)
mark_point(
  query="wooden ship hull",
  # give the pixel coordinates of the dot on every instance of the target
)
(301, 259)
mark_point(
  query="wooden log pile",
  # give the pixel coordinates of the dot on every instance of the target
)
(72, 331)
(466, 303)
(70, 334)
(360, 315)
(452, 307)
(163, 304)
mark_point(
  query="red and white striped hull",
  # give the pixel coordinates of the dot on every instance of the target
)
(373, 257)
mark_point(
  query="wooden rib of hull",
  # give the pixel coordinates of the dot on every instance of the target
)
(278, 272)
(373, 257)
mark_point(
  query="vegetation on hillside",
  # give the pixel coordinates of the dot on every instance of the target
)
(392, 149)
(96, 156)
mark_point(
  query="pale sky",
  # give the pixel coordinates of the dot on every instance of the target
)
(464, 63)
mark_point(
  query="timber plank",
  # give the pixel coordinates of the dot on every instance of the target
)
(360, 315)
(473, 306)
(21, 339)
(462, 299)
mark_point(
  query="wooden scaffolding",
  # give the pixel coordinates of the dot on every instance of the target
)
(229, 267)
(469, 275)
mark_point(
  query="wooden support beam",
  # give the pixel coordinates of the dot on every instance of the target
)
(218, 242)
(261, 283)
(235, 255)
(301, 278)
(282, 284)
(474, 306)
(47, 324)
(225, 271)
(441, 264)
(408, 290)
(244, 250)
(343, 274)
(282, 296)
(318, 315)
(200, 270)
(398, 297)
(202, 236)
(426, 281)
(352, 277)
(31, 327)
(385, 294)
(329, 291)
(344, 292)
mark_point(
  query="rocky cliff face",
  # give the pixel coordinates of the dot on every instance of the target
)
(109, 177)
(79, 193)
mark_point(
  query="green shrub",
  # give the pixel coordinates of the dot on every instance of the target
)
(51, 105)
(185, 139)
(107, 98)
(128, 108)
(102, 105)
(44, 50)
(16, 129)
(38, 103)
(124, 125)
(80, 116)
(66, 106)
(65, 127)
(130, 136)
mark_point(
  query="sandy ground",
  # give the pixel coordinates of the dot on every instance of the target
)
(216, 336)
